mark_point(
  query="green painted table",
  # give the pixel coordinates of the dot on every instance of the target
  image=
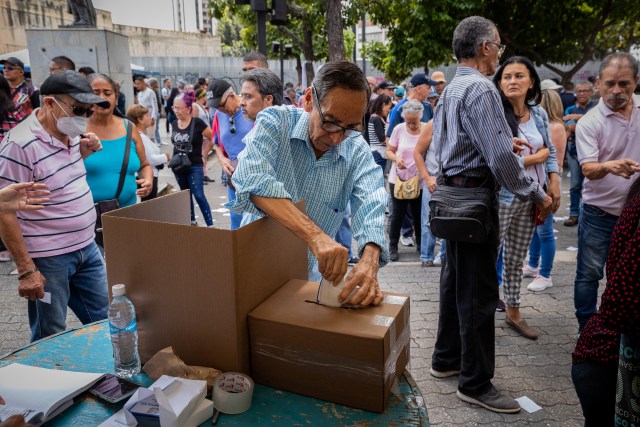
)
(88, 349)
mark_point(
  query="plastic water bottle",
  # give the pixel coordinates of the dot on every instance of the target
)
(124, 333)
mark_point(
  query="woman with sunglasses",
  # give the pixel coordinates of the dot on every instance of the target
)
(187, 135)
(103, 168)
(519, 87)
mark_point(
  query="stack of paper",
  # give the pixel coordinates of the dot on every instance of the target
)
(38, 393)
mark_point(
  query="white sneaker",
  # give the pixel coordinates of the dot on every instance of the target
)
(5, 256)
(437, 261)
(540, 283)
(527, 271)
(407, 241)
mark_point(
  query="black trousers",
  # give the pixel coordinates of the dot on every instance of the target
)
(595, 385)
(468, 299)
(399, 209)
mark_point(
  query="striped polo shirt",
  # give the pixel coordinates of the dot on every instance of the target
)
(29, 153)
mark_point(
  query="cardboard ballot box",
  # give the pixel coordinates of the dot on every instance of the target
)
(346, 356)
(193, 287)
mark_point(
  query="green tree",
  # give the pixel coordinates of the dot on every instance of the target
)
(549, 32)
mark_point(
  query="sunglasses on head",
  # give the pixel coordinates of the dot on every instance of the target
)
(78, 111)
(232, 122)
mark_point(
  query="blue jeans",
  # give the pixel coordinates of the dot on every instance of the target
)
(428, 240)
(78, 280)
(344, 236)
(500, 266)
(236, 219)
(380, 161)
(193, 180)
(543, 244)
(575, 190)
(157, 136)
(594, 235)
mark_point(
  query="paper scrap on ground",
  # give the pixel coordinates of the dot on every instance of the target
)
(528, 405)
(559, 218)
(572, 249)
(220, 210)
(46, 298)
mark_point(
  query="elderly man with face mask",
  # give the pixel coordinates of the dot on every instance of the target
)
(58, 262)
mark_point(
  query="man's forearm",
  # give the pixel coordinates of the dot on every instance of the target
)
(285, 212)
(595, 170)
(371, 253)
(14, 241)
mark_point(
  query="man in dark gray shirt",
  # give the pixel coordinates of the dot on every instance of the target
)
(477, 151)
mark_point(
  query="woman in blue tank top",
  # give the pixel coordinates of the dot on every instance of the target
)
(103, 168)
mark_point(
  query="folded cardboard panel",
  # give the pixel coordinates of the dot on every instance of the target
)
(193, 286)
(346, 356)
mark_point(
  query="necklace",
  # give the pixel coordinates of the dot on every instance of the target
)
(523, 115)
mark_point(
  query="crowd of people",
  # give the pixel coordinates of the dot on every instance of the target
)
(356, 150)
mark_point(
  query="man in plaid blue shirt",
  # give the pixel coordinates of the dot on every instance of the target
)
(318, 155)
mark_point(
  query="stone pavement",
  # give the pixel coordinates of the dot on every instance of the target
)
(540, 370)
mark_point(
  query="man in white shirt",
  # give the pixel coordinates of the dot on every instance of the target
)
(147, 98)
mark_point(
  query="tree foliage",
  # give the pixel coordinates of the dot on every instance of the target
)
(547, 31)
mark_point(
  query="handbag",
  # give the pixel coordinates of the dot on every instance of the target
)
(180, 162)
(628, 383)
(460, 214)
(113, 204)
(407, 190)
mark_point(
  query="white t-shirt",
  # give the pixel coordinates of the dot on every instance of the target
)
(529, 132)
(147, 98)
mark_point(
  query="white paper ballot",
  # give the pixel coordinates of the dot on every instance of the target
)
(528, 405)
(46, 298)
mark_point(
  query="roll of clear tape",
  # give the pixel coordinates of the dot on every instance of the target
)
(232, 393)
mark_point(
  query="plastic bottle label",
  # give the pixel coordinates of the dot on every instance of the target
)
(131, 327)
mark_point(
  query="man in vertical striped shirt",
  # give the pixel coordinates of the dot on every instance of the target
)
(54, 248)
(477, 150)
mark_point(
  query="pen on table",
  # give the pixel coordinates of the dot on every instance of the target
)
(216, 414)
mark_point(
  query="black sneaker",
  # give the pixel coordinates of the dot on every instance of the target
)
(207, 179)
(353, 260)
(501, 307)
(493, 400)
(427, 263)
(393, 255)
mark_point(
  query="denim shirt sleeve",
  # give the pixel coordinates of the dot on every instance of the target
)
(255, 173)
(542, 123)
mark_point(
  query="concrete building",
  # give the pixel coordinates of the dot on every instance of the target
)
(18, 15)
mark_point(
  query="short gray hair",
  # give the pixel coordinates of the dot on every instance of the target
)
(620, 57)
(152, 80)
(267, 82)
(343, 74)
(469, 35)
(412, 107)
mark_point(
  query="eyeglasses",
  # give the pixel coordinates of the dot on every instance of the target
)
(221, 105)
(11, 68)
(333, 127)
(232, 122)
(501, 47)
(78, 111)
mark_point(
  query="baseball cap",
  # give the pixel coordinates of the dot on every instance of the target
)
(438, 76)
(433, 95)
(549, 84)
(386, 84)
(399, 91)
(73, 84)
(13, 61)
(421, 79)
(216, 91)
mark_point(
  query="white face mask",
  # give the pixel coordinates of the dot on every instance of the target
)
(71, 126)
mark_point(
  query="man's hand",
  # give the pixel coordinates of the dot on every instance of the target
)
(145, 187)
(364, 275)
(32, 287)
(520, 144)
(227, 168)
(89, 144)
(332, 257)
(23, 196)
(554, 192)
(624, 168)
(545, 208)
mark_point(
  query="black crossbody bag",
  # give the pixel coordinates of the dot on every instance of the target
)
(180, 162)
(460, 214)
(113, 204)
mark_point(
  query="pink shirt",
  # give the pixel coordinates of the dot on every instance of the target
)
(405, 144)
(604, 135)
(29, 153)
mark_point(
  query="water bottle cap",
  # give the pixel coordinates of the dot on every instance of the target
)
(118, 290)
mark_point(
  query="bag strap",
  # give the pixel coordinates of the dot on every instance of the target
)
(443, 136)
(125, 160)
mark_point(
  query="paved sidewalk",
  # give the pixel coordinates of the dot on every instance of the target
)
(537, 369)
